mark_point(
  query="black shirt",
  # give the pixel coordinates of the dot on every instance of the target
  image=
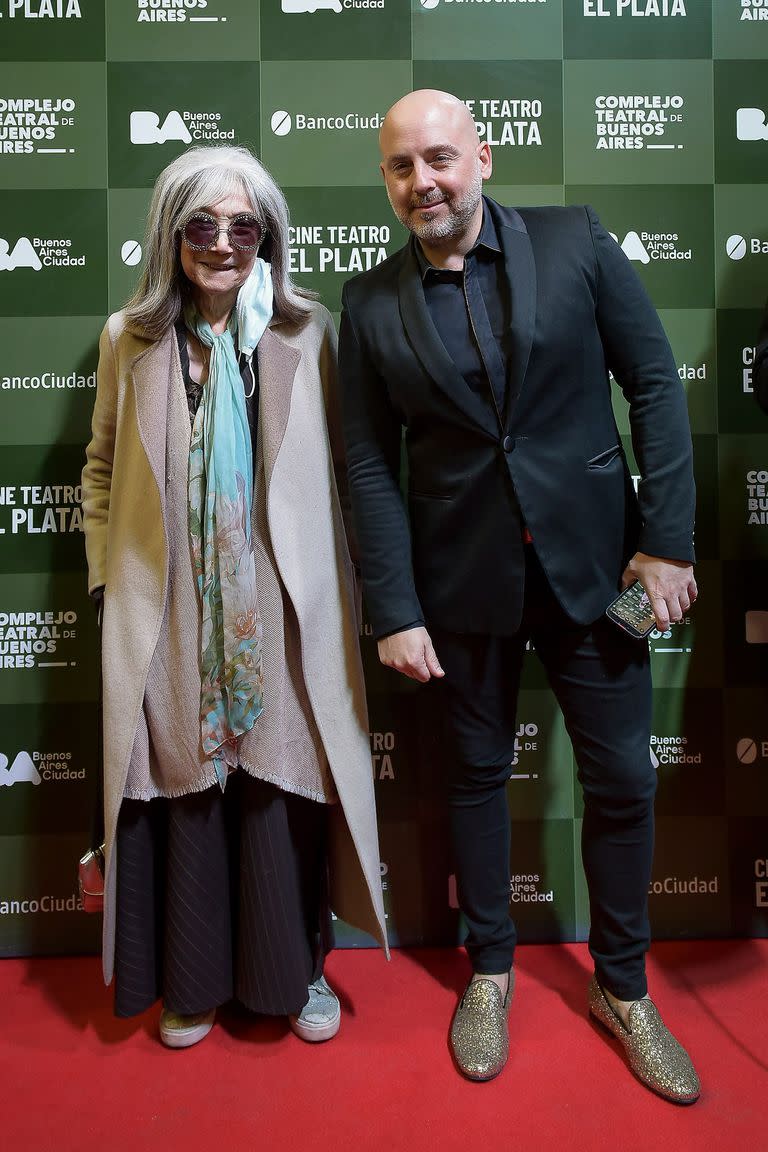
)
(471, 312)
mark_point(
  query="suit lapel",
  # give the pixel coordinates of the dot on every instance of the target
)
(431, 351)
(520, 271)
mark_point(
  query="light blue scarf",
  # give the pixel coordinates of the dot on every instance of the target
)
(220, 503)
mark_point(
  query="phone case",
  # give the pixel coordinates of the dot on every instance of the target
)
(632, 611)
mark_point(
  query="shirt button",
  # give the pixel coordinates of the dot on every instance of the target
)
(508, 443)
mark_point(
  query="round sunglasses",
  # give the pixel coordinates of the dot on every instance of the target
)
(244, 232)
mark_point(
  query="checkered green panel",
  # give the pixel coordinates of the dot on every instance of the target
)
(653, 111)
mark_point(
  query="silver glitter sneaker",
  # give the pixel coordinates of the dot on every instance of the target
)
(183, 1031)
(320, 1017)
(480, 1032)
(655, 1057)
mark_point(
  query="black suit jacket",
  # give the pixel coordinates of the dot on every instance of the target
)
(450, 554)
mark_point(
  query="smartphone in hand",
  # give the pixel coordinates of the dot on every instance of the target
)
(632, 611)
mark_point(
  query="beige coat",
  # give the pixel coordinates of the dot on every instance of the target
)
(127, 549)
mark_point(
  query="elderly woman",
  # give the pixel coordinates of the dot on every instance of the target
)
(236, 749)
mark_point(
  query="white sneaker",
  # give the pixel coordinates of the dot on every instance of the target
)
(320, 1017)
(183, 1031)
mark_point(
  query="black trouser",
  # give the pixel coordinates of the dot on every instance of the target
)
(601, 678)
(221, 895)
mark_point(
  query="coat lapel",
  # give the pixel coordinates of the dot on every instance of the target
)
(520, 271)
(156, 364)
(431, 351)
(277, 361)
(305, 538)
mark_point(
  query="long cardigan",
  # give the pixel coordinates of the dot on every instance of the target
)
(127, 551)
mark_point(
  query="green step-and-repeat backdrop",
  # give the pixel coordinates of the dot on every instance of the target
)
(653, 111)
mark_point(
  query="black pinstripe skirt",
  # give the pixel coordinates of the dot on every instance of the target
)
(221, 896)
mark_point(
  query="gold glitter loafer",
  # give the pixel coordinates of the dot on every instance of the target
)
(479, 1032)
(655, 1057)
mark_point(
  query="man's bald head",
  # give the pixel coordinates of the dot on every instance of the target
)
(434, 166)
(431, 109)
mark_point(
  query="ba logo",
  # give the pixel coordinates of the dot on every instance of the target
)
(22, 256)
(22, 771)
(146, 128)
(751, 125)
(633, 247)
(310, 5)
(644, 247)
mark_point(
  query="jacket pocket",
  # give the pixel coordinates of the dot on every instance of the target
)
(603, 459)
(429, 496)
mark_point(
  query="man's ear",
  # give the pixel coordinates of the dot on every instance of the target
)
(486, 160)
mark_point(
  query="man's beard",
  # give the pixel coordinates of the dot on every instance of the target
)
(452, 223)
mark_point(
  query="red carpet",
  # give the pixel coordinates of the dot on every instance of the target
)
(76, 1080)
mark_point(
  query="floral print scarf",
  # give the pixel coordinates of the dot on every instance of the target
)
(220, 487)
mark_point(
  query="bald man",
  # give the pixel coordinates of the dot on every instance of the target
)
(489, 339)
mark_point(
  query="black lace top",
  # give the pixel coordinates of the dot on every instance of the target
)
(250, 384)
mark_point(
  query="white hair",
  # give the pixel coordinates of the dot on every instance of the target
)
(200, 178)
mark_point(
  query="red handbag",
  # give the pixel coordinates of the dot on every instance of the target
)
(90, 879)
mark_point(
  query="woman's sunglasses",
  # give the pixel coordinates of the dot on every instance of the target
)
(244, 232)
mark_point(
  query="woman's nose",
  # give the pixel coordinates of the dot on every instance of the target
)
(222, 243)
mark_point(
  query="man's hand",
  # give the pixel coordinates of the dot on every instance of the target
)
(411, 653)
(670, 585)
